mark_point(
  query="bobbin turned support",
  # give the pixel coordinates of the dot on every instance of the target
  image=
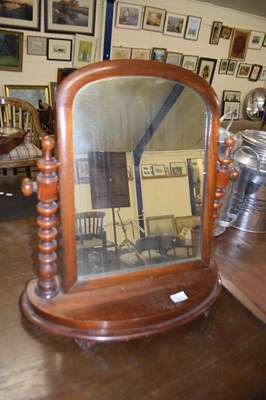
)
(46, 188)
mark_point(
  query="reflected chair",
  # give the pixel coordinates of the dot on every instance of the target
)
(152, 250)
(91, 236)
(19, 118)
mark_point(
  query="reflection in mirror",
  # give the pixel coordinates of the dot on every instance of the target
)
(139, 173)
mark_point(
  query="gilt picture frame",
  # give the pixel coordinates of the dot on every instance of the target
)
(239, 44)
(11, 50)
(30, 93)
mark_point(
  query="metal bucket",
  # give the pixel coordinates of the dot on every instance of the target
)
(245, 204)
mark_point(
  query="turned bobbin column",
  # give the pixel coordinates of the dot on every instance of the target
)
(225, 172)
(46, 188)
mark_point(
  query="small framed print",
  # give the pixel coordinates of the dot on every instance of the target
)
(231, 67)
(243, 70)
(153, 19)
(256, 40)
(84, 51)
(190, 62)
(239, 45)
(82, 171)
(223, 66)
(231, 95)
(158, 54)
(174, 58)
(159, 170)
(178, 168)
(255, 72)
(262, 76)
(233, 107)
(121, 53)
(215, 32)
(225, 32)
(175, 25)
(59, 49)
(206, 68)
(36, 46)
(141, 54)
(147, 170)
(128, 16)
(192, 28)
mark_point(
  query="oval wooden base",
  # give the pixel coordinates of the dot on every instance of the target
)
(124, 311)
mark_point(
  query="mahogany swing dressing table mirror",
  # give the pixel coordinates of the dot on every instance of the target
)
(128, 135)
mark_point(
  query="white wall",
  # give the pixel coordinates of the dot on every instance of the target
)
(39, 71)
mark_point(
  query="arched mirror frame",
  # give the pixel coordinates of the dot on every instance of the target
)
(74, 297)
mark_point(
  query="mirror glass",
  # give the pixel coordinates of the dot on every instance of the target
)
(139, 164)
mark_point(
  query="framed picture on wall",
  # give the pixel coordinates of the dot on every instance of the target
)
(36, 45)
(243, 70)
(256, 40)
(60, 17)
(158, 54)
(128, 16)
(232, 106)
(161, 225)
(231, 95)
(192, 28)
(30, 93)
(22, 15)
(262, 76)
(153, 19)
(206, 68)
(141, 54)
(215, 32)
(82, 171)
(174, 58)
(255, 72)
(231, 67)
(11, 53)
(223, 66)
(264, 41)
(59, 49)
(121, 53)
(178, 168)
(225, 32)
(175, 25)
(239, 45)
(84, 50)
(190, 62)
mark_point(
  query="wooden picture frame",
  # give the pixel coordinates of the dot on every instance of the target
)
(192, 28)
(206, 68)
(231, 106)
(82, 171)
(215, 32)
(36, 45)
(223, 66)
(175, 24)
(178, 168)
(244, 70)
(73, 24)
(128, 16)
(63, 73)
(161, 225)
(255, 72)
(239, 44)
(30, 93)
(121, 53)
(173, 58)
(11, 50)
(158, 54)
(84, 50)
(231, 95)
(59, 49)
(140, 54)
(153, 19)
(256, 40)
(190, 62)
(26, 16)
(225, 32)
(231, 67)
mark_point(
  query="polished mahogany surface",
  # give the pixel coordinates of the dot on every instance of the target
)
(221, 356)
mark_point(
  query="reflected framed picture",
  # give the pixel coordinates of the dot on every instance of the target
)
(232, 106)
(11, 50)
(206, 68)
(159, 170)
(175, 25)
(21, 14)
(59, 49)
(255, 72)
(192, 28)
(62, 17)
(82, 171)
(158, 54)
(30, 93)
(256, 40)
(239, 45)
(244, 70)
(190, 62)
(174, 58)
(52, 93)
(84, 50)
(153, 19)
(161, 225)
(231, 95)
(215, 32)
(128, 16)
(178, 168)
(147, 170)
(223, 66)
(231, 67)
(121, 53)
(36, 45)
(141, 54)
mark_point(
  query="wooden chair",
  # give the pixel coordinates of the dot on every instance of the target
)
(90, 235)
(151, 250)
(16, 116)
